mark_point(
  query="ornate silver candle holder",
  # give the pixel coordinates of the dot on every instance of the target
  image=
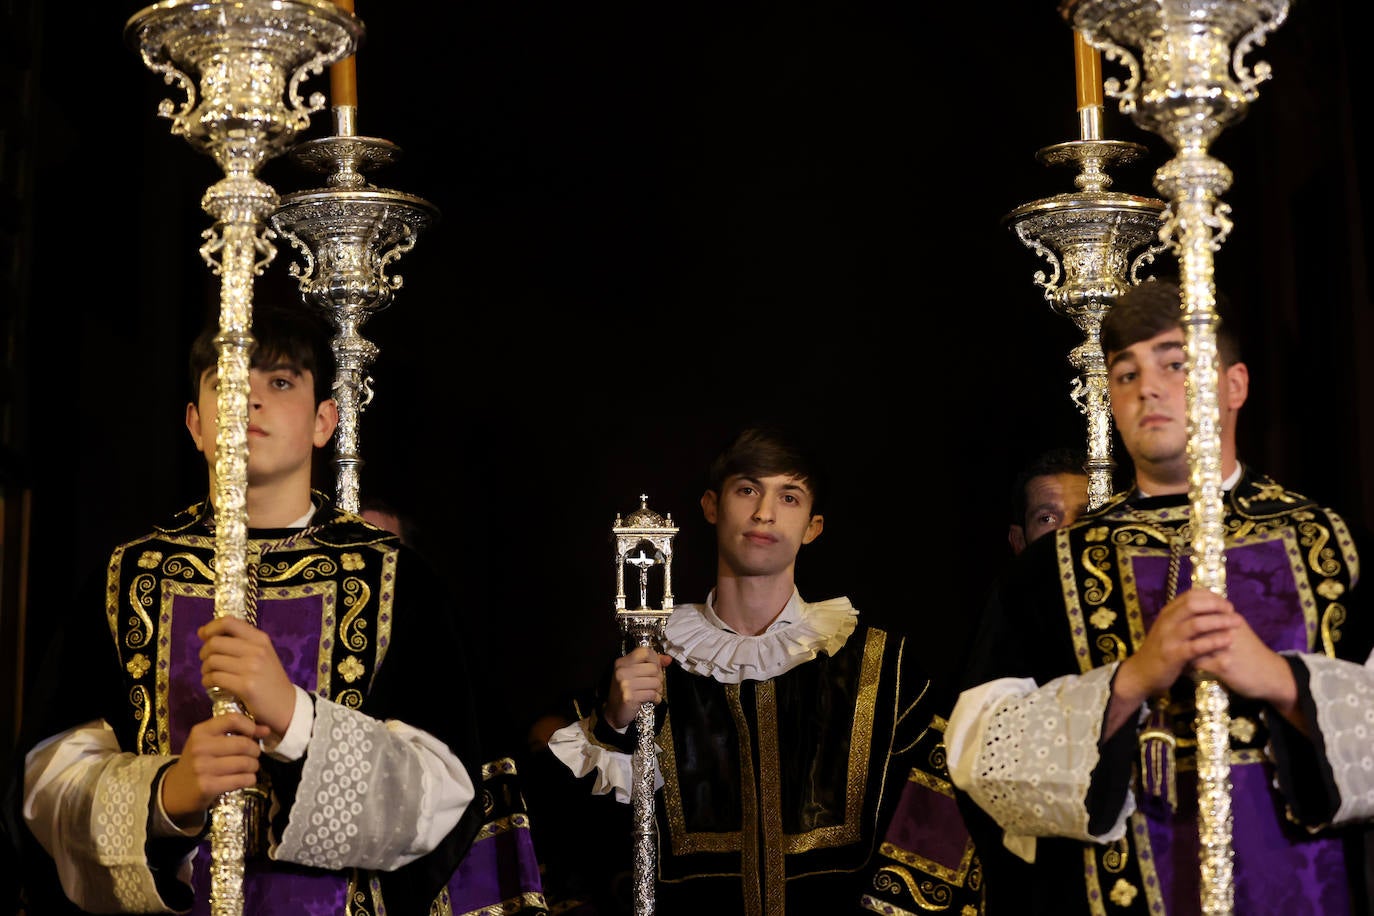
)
(1095, 241)
(644, 530)
(1188, 93)
(240, 65)
(348, 235)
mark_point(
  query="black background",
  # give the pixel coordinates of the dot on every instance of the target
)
(660, 221)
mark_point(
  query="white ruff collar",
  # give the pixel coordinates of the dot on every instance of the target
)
(701, 647)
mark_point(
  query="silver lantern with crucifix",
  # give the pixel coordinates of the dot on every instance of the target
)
(643, 540)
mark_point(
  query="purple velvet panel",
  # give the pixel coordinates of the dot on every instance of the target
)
(1259, 582)
(266, 894)
(187, 702)
(1273, 873)
(497, 868)
(293, 624)
(927, 823)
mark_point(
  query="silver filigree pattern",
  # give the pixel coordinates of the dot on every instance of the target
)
(1094, 241)
(1187, 83)
(348, 235)
(650, 535)
(241, 65)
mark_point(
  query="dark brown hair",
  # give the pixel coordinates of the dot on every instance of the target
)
(1152, 307)
(294, 335)
(762, 451)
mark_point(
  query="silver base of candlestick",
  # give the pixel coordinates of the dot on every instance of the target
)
(1096, 242)
(241, 64)
(346, 158)
(349, 235)
(1189, 48)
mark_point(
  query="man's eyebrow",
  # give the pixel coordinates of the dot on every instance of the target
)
(281, 365)
(1160, 347)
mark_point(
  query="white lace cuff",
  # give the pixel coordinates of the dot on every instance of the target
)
(1026, 754)
(372, 794)
(1343, 694)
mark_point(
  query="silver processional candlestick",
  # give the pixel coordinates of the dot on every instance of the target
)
(644, 539)
(240, 65)
(349, 234)
(1089, 238)
(1188, 95)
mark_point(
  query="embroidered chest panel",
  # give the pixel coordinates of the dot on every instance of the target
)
(327, 609)
(1286, 572)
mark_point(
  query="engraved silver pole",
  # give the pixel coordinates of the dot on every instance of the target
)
(1089, 238)
(348, 235)
(1188, 95)
(234, 61)
(643, 540)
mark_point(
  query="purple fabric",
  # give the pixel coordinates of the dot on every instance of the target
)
(187, 701)
(928, 824)
(496, 869)
(1273, 872)
(322, 894)
(294, 625)
(1259, 582)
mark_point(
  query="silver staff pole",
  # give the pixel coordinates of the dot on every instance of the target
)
(1194, 83)
(644, 539)
(240, 65)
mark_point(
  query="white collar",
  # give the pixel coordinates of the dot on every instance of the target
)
(304, 519)
(701, 644)
(1226, 484)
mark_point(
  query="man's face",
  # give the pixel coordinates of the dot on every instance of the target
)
(1053, 501)
(761, 522)
(285, 425)
(1148, 386)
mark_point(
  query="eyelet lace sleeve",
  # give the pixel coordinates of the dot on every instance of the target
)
(1343, 694)
(1026, 754)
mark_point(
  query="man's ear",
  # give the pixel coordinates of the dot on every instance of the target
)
(814, 529)
(710, 505)
(326, 421)
(1016, 537)
(1236, 378)
(193, 425)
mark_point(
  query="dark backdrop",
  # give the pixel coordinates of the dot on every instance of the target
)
(660, 221)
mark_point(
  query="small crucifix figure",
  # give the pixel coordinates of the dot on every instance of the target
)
(643, 562)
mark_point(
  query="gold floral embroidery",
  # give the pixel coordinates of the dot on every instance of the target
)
(1123, 892)
(1242, 729)
(1267, 492)
(138, 665)
(352, 561)
(1096, 535)
(1330, 589)
(350, 669)
(1102, 618)
(149, 559)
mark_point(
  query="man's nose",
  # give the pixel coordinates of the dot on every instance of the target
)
(1151, 383)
